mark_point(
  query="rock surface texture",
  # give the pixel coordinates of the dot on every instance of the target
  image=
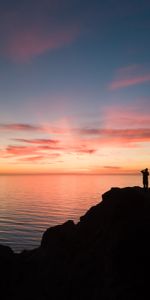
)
(106, 256)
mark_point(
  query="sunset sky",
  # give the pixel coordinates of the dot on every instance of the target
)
(74, 86)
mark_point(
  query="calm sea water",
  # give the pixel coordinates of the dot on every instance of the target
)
(29, 204)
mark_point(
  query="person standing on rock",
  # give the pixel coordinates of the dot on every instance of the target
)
(145, 178)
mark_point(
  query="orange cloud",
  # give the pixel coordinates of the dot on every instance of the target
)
(128, 76)
(39, 157)
(32, 158)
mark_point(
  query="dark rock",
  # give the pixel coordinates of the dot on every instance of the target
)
(6, 270)
(59, 236)
(105, 256)
(6, 252)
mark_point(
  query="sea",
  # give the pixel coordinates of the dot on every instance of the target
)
(29, 204)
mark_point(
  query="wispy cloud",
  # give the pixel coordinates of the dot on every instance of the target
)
(32, 29)
(39, 157)
(111, 167)
(19, 150)
(123, 137)
(128, 76)
(38, 141)
(32, 158)
(22, 46)
(50, 129)
(20, 127)
(134, 115)
(45, 151)
(125, 82)
(85, 151)
(118, 135)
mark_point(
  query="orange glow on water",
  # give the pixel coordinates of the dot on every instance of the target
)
(32, 203)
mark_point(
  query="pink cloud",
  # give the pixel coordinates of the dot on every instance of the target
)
(85, 151)
(114, 136)
(45, 151)
(28, 150)
(127, 135)
(128, 76)
(19, 127)
(135, 115)
(35, 128)
(127, 82)
(23, 46)
(30, 127)
(25, 39)
(99, 138)
(50, 147)
(19, 150)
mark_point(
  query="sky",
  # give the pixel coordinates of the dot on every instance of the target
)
(74, 86)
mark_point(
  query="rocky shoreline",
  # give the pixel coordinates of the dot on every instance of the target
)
(106, 255)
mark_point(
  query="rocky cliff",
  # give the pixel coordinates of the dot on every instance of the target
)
(106, 256)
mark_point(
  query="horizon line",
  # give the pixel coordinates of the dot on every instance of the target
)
(87, 174)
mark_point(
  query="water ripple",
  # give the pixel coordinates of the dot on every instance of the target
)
(31, 204)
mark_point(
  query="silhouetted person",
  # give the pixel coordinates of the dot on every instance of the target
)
(145, 178)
